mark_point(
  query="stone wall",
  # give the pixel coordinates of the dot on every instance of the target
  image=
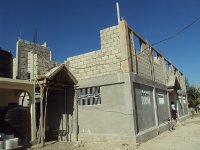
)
(39, 66)
(100, 62)
(30, 54)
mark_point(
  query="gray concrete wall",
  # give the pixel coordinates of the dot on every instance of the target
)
(162, 106)
(158, 113)
(144, 107)
(113, 118)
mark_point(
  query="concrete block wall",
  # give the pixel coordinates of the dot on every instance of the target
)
(32, 64)
(149, 68)
(158, 72)
(150, 64)
(181, 80)
(101, 62)
(30, 54)
(144, 65)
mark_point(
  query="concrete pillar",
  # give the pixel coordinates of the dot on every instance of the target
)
(155, 106)
(130, 104)
(33, 117)
(186, 99)
(17, 59)
(176, 103)
(126, 64)
(169, 105)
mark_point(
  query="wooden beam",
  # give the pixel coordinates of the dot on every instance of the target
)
(45, 111)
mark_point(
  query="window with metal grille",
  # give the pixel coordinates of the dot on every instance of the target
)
(145, 97)
(89, 96)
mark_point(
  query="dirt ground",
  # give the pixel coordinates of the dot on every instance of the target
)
(186, 136)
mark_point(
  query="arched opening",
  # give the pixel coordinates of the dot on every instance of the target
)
(24, 99)
(15, 113)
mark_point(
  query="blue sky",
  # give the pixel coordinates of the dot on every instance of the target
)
(71, 27)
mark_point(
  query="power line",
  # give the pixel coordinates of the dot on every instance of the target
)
(177, 33)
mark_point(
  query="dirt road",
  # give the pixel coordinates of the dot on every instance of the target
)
(185, 137)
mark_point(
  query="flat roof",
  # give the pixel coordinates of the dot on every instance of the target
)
(17, 81)
(16, 84)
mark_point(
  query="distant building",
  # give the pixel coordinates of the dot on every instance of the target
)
(31, 59)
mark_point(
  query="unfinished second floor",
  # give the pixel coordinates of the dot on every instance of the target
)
(125, 51)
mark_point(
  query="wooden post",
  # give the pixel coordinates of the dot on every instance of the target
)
(45, 111)
(41, 116)
(76, 113)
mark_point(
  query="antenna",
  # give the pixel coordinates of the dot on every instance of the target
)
(19, 35)
(118, 12)
(35, 36)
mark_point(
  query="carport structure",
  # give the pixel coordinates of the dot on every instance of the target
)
(56, 105)
(10, 90)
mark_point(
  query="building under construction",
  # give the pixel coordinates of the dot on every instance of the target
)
(123, 91)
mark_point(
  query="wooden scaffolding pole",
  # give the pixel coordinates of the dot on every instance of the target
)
(41, 115)
(76, 113)
(45, 111)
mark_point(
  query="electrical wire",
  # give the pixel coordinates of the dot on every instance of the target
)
(178, 33)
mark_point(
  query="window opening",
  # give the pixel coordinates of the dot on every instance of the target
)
(89, 96)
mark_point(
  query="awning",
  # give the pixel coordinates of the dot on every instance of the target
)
(59, 75)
